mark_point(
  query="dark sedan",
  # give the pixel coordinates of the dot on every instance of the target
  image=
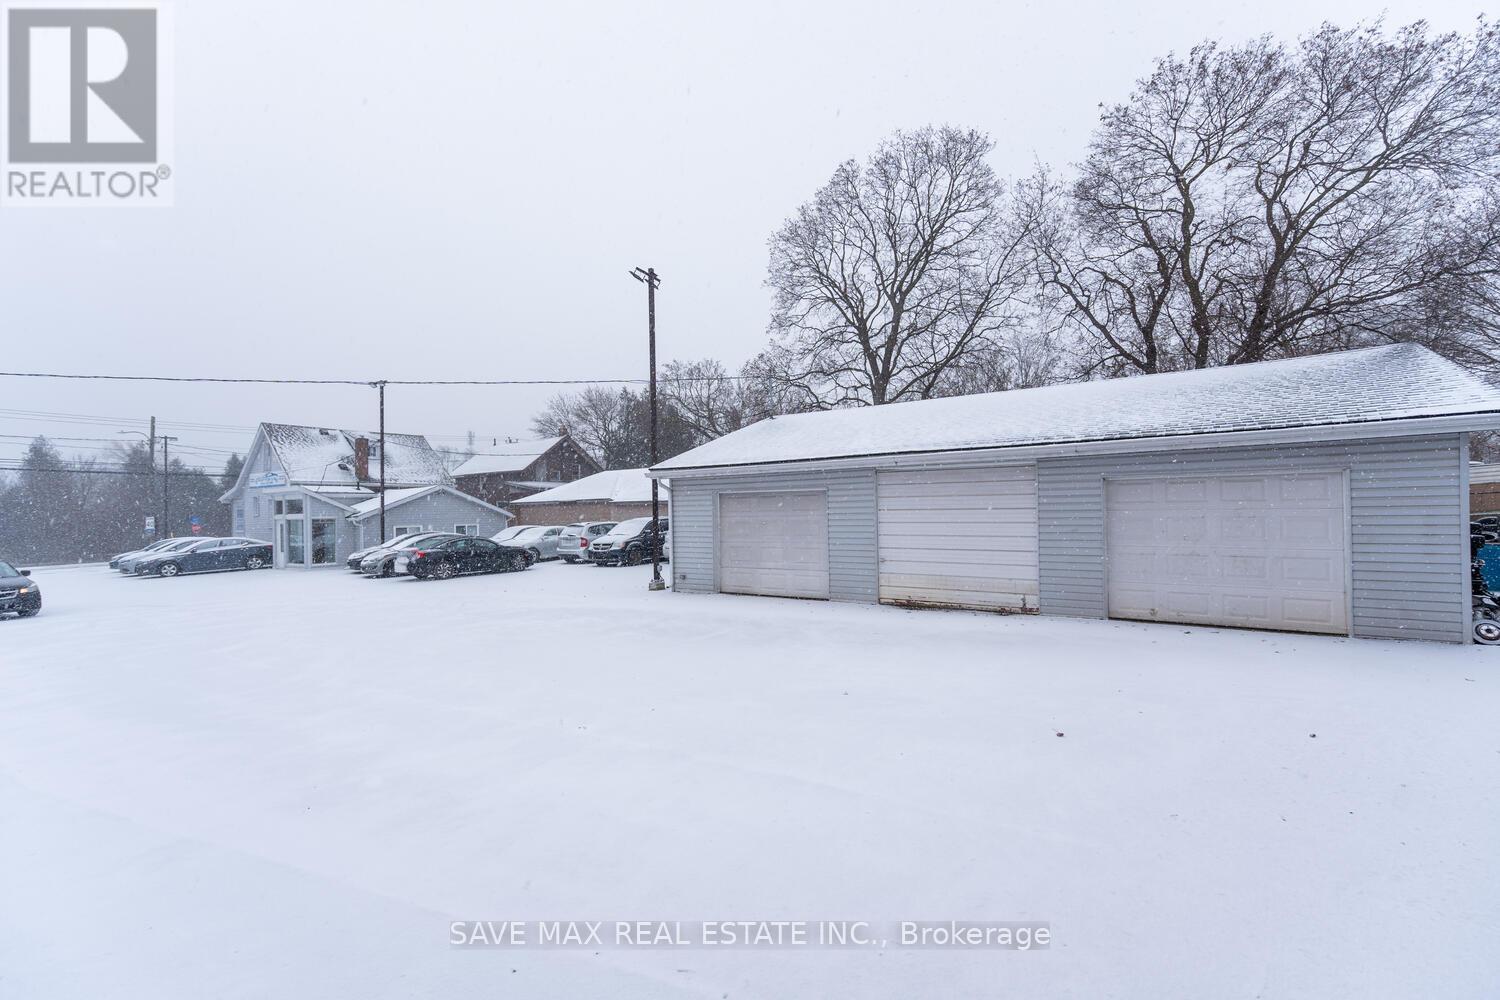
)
(460, 556)
(19, 595)
(209, 556)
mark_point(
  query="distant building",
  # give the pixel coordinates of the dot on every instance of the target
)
(605, 496)
(313, 492)
(509, 470)
(1484, 488)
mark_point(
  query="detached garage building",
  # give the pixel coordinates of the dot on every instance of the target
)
(1325, 494)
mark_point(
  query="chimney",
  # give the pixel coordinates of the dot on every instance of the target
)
(361, 459)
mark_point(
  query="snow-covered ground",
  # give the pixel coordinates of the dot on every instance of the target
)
(288, 784)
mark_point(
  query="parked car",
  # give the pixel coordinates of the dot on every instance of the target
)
(210, 555)
(629, 543)
(509, 533)
(459, 556)
(155, 546)
(573, 543)
(382, 562)
(19, 594)
(129, 563)
(537, 539)
(400, 541)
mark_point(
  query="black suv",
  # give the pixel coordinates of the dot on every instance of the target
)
(18, 595)
(629, 543)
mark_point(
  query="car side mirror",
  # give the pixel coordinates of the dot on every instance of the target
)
(25, 572)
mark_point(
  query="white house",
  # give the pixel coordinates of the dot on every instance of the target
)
(313, 492)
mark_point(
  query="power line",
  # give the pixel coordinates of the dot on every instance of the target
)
(100, 471)
(368, 383)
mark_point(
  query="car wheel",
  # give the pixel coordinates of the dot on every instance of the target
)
(533, 556)
(255, 562)
(635, 556)
(168, 569)
(444, 571)
(515, 564)
(29, 614)
(1487, 632)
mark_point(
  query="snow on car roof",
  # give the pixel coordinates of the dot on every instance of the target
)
(1379, 383)
(509, 456)
(615, 486)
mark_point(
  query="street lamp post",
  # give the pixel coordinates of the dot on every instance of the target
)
(652, 281)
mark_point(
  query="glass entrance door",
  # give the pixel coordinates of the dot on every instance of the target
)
(324, 541)
(296, 544)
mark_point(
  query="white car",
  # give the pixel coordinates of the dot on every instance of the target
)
(573, 543)
(539, 540)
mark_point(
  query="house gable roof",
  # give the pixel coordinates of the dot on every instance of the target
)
(323, 457)
(1399, 382)
(616, 486)
(366, 509)
(508, 457)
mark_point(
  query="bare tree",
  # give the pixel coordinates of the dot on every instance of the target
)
(710, 400)
(1264, 201)
(895, 273)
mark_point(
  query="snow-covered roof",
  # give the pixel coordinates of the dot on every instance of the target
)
(395, 498)
(1398, 382)
(508, 456)
(322, 456)
(617, 486)
(1484, 472)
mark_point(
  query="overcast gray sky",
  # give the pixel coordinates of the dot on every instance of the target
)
(456, 190)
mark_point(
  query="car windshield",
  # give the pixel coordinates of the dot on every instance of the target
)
(6, 569)
(180, 544)
(631, 527)
(507, 534)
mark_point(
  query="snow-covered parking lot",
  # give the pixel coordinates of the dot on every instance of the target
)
(284, 784)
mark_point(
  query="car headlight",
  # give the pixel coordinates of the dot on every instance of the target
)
(26, 590)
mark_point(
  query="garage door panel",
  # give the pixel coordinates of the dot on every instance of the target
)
(774, 544)
(959, 537)
(1266, 551)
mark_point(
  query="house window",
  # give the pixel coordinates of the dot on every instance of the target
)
(405, 529)
(239, 519)
(466, 529)
(294, 506)
(276, 507)
(255, 506)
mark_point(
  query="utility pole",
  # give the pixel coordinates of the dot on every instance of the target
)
(381, 387)
(166, 481)
(151, 468)
(652, 281)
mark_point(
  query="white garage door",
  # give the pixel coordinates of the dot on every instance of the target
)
(774, 544)
(959, 538)
(1256, 550)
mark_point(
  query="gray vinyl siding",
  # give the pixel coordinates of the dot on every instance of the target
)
(435, 512)
(346, 535)
(853, 566)
(1407, 534)
(258, 514)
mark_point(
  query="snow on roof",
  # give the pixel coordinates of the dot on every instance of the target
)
(1484, 472)
(1378, 383)
(508, 456)
(322, 456)
(394, 498)
(616, 486)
